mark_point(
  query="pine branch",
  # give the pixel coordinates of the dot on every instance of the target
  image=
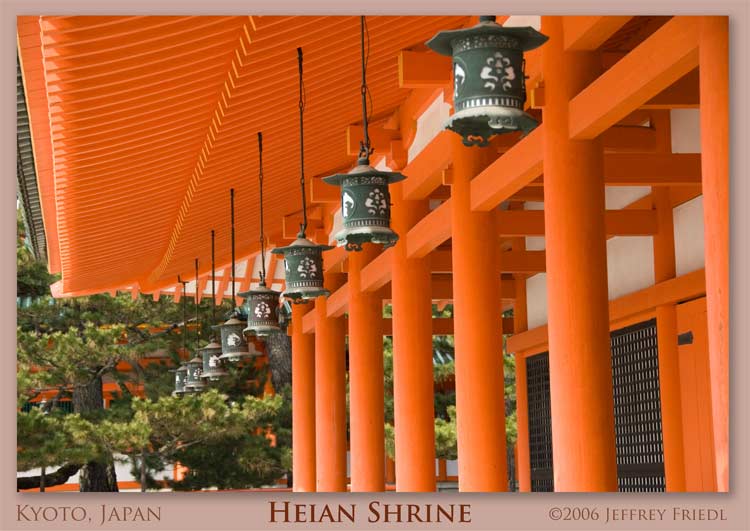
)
(58, 477)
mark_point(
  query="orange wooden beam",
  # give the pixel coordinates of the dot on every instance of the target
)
(523, 261)
(380, 138)
(589, 32)
(676, 290)
(431, 231)
(682, 94)
(652, 169)
(618, 222)
(425, 171)
(655, 64)
(510, 173)
(377, 273)
(423, 69)
(321, 192)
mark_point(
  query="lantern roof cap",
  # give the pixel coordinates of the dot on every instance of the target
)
(301, 241)
(213, 345)
(261, 289)
(528, 37)
(364, 169)
(196, 359)
(233, 321)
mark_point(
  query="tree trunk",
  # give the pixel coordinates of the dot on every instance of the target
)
(143, 470)
(95, 476)
(279, 348)
(42, 477)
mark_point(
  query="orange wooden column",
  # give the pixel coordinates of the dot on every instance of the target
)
(583, 428)
(366, 393)
(330, 394)
(303, 403)
(480, 402)
(520, 324)
(670, 387)
(714, 108)
(413, 385)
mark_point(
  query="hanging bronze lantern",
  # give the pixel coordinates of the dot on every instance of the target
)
(489, 83)
(261, 303)
(193, 382)
(365, 199)
(180, 375)
(303, 269)
(303, 259)
(212, 366)
(233, 343)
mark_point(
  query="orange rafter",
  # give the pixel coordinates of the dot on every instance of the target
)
(152, 119)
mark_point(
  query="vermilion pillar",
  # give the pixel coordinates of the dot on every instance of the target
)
(583, 430)
(480, 403)
(303, 403)
(330, 394)
(520, 324)
(413, 386)
(365, 379)
(714, 109)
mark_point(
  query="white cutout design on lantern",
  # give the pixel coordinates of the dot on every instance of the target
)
(213, 361)
(459, 76)
(233, 340)
(347, 204)
(262, 310)
(307, 268)
(500, 65)
(376, 202)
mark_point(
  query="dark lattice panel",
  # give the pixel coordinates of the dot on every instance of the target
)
(638, 430)
(540, 422)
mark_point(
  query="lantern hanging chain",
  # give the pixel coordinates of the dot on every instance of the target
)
(197, 320)
(231, 215)
(303, 225)
(365, 150)
(184, 312)
(213, 277)
(262, 234)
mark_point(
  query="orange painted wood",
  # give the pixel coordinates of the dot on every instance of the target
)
(423, 69)
(425, 171)
(682, 94)
(303, 402)
(338, 302)
(629, 139)
(413, 386)
(330, 395)
(523, 261)
(321, 192)
(520, 324)
(695, 375)
(656, 63)
(714, 98)
(480, 410)
(617, 223)
(377, 273)
(334, 257)
(677, 290)
(380, 138)
(582, 408)
(584, 33)
(510, 173)
(366, 393)
(666, 331)
(432, 230)
(652, 169)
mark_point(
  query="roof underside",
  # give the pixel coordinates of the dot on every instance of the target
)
(151, 120)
